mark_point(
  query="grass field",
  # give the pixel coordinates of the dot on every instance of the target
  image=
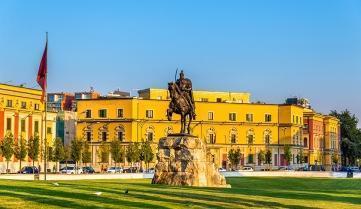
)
(246, 192)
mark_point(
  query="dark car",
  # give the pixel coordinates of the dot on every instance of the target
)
(130, 170)
(88, 169)
(29, 170)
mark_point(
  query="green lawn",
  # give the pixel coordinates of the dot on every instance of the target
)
(246, 192)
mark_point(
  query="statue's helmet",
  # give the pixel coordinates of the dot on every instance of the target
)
(181, 74)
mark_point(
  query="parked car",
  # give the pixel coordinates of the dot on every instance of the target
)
(150, 170)
(222, 170)
(247, 168)
(29, 170)
(115, 170)
(88, 169)
(130, 170)
(71, 170)
(354, 169)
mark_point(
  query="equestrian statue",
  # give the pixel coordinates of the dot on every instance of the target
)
(182, 102)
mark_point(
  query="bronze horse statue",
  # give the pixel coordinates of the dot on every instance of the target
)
(180, 105)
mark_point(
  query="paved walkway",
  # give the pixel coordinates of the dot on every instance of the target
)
(61, 177)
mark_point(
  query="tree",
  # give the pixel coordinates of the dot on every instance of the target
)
(133, 153)
(7, 149)
(58, 151)
(334, 158)
(103, 153)
(234, 156)
(33, 149)
(261, 156)
(301, 157)
(268, 157)
(86, 156)
(287, 154)
(50, 154)
(76, 151)
(117, 152)
(67, 154)
(20, 150)
(146, 153)
(350, 137)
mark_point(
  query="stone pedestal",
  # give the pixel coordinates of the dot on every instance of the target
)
(182, 161)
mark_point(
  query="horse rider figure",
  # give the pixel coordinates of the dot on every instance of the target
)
(185, 86)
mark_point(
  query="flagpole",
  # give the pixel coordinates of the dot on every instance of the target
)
(46, 110)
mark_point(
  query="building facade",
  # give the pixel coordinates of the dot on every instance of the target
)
(225, 120)
(58, 102)
(22, 116)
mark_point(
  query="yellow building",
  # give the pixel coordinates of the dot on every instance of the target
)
(225, 121)
(22, 115)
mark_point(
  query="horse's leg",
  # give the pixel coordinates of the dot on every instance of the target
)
(169, 114)
(190, 116)
(182, 123)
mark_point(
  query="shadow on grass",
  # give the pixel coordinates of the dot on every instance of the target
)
(71, 198)
(286, 192)
(189, 198)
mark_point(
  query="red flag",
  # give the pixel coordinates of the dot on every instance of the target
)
(43, 69)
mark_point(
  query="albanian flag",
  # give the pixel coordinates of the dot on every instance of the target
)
(43, 69)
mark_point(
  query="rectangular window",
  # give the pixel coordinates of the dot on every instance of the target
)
(9, 103)
(88, 136)
(88, 113)
(232, 116)
(150, 136)
(249, 117)
(104, 136)
(267, 117)
(36, 126)
(23, 105)
(210, 115)
(8, 124)
(233, 138)
(22, 125)
(296, 119)
(212, 138)
(120, 113)
(204, 99)
(219, 99)
(120, 136)
(103, 113)
(48, 131)
(149, 113)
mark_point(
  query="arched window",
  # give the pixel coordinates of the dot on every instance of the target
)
(250, 136)
(88, 133)
(267, 136)
(211, 136)
(103, 133)
(120, 133)
(233, 135)
(149, 134)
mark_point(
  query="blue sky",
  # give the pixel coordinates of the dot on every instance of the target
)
(272, 49)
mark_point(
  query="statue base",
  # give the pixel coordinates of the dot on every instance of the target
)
(182, 161)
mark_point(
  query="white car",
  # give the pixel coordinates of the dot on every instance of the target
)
(247, 168)
(222, 170)
(71, 170)
(115, 170)
(150, 170)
